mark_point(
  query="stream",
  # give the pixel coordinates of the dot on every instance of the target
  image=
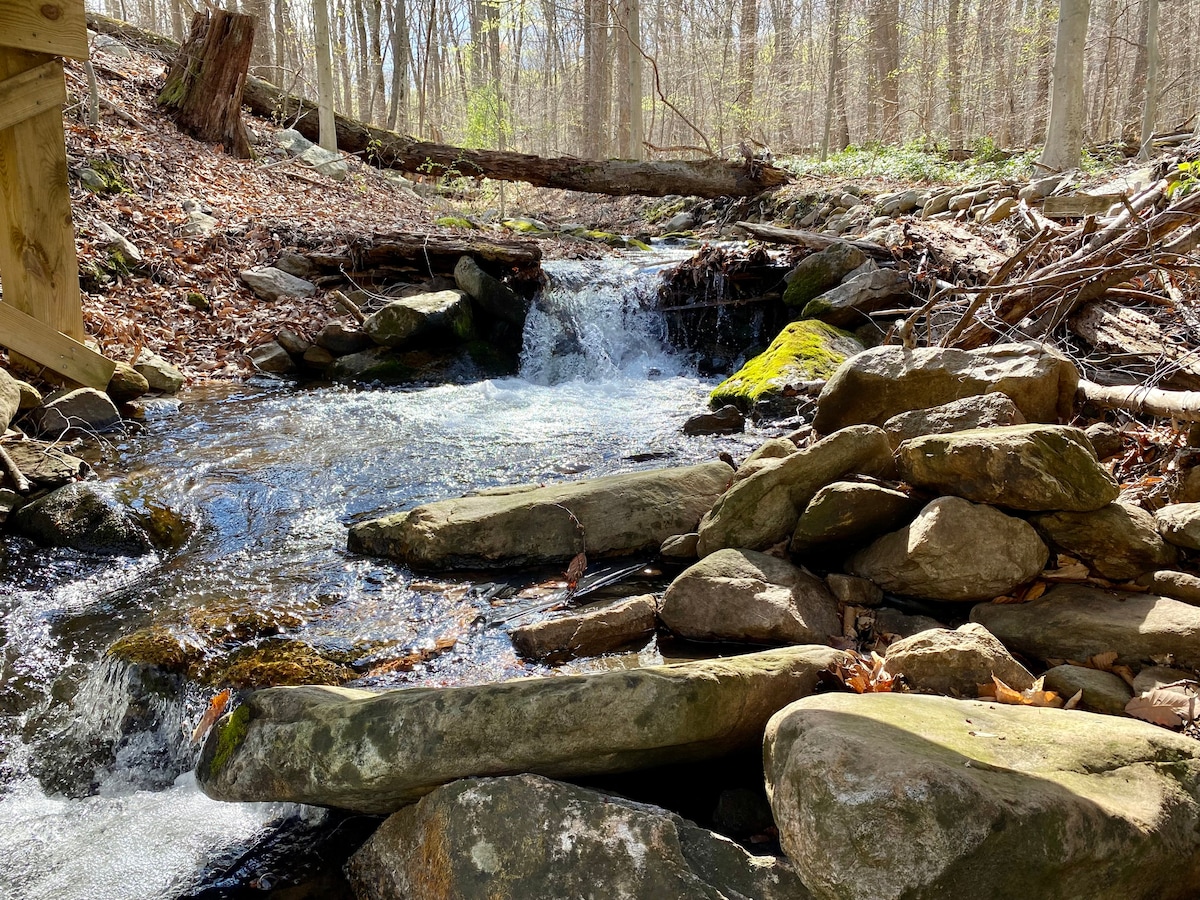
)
(269, 476)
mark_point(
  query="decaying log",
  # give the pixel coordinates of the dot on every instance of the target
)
(379, 256)
(1182, 405)
(204, 87)
(813, 241)
(1116, 329)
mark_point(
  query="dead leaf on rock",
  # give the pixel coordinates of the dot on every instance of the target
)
(1034, 696)
(865, 674)
(1170, 705)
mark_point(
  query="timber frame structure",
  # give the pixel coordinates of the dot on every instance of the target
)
(41, 317)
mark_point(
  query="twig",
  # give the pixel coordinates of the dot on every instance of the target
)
(21, 484)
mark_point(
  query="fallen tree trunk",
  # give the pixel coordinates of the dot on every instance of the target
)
(1135, 398)
(773, 234)
(387, 149)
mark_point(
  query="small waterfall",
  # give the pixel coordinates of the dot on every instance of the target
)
(597, 320)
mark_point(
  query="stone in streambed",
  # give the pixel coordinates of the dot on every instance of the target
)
(529, 838)
(890, 796)
(1179, 523)
(1181, 586)
(954, 550)
(81, 517)
(679, 547)
(72, 412)
(1026, 467)
(820, 271)
(744, 596)
(10, 400)
(851, 512)
(160, 375)
(885, 381)
(1117, 541)
(402, 323)
(342, 341)
(850, 303)
(726, 420)
(589, 632)
(126, 384)
(1103, 692)
(375, 752)
(941, 661)
(1073, 621)
(491, 294)
(762, 510)
(984, 411)
(617, 515)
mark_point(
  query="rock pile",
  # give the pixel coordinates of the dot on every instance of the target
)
(950, 486)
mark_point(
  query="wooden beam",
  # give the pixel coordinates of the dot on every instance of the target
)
(29, 337)
(37, 243)
(34, 91)
(56, 27)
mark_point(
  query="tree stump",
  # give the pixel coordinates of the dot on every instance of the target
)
(204, 86)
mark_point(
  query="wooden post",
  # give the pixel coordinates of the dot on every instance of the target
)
(38, 264)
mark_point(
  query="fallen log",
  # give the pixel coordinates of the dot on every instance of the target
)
(1136, 398)
(773, 234)
(1115, 329)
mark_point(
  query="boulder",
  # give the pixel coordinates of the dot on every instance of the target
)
(528, 838)
(617, 515)
(441, 314)
(270, 283)
(982, 411)
(851, 512)
(327, 162)
(342, 341)
(31, 397)
(850, 590)
(126, 384)
(890, 621)
(10, 400)
(1106, 440)
(941, 661)
(1179, 523)
(768, 383)
(45, 465)
(74, 412)
(375, 752)
(772, 448)
(1170, 583)
(849, 304)
(888, 796)
(159, 374)
(679, 547)
(726, 420)
(885, 381)
(953, 550)
(272, 359)
(818, 272)
(1153, 677)
(292, 342)
(762, 510)
(374, 364)
(1072, 621)
(588, 632)
(749, 597)
(490, 294)
(1103, 692)
(81, 517)
(1117, 541)
(1027, 467)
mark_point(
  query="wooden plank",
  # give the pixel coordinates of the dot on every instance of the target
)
(37, 241)
(32, 92)
(49, 348)
(56, 27)
(1076, 206)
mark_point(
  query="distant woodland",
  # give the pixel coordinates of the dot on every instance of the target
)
(662, 78)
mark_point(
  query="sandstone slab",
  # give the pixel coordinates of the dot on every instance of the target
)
(1118, 541)
(983, 411)
(588, 632)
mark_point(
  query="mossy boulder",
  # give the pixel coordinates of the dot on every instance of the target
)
(890, 796)
(280, 662)
(802, 352)
(818, 272)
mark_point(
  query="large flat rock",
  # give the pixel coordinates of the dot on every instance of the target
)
(890, 796)
(375, 752)
(529, 838)
(617, 515)
(1073, 621)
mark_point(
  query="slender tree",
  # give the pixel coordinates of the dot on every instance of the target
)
(1064, 136)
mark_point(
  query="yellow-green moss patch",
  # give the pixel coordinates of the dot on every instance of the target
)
(230, 734)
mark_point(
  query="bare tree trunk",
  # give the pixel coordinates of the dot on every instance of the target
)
(204, 87)
(1150, 109)
(397, 118)
(325, 89)
(747, 51)
(954, 74)
(1064, 137)
(633, 25)
(835, 67)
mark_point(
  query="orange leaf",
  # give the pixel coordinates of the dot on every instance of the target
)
(216, 706)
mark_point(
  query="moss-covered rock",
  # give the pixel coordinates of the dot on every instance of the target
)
(803, 351)
(454, 222)
(818, 272)
(279, 662)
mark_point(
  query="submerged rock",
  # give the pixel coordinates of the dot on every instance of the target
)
(588, 632)
(375, 752)
(890, 796)
(81, 517)
(802, 352)
(741, 595)
(528, 838)
(885, 381)
(617, 515)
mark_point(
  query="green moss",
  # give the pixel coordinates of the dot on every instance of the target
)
(198, 301)
(453, 222)
(524, 226)
(803, 351)
(231, 732)
(109, 177)
(156, 646)
(814, 309)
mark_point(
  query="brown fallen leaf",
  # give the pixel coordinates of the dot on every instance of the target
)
(1170, 705)
(1033, 696)
(216, 707)
(865, 674)
(575, 569)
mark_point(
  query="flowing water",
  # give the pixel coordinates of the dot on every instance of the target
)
(97, 799)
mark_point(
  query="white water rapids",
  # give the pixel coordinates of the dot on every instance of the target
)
(272, 474)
